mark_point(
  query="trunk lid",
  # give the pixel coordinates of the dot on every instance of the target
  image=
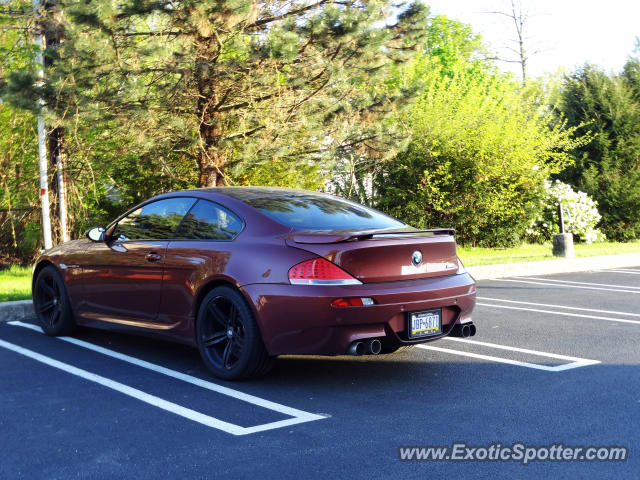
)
(384, 256)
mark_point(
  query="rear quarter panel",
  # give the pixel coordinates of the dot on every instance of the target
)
(192, 268)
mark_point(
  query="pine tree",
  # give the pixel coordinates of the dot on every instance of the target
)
(235, 82)
(608, 168)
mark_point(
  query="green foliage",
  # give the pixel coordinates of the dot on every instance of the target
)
(447, 45)
(30, 239)
(450, 42)
(631, 75)
(18, 184)
(155, 97)
(608, 168)
(229, 84)
(478, 158)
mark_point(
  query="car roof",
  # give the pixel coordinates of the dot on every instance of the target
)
(247, 193)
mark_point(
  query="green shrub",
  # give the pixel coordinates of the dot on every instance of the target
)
(479, 157)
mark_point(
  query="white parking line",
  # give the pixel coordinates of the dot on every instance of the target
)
(299, 416)
(518, 349)
(554, 280)
(127, 390)
(562, 285)
(566, 314)
(632, 272)
(576, 362)
(560, 306)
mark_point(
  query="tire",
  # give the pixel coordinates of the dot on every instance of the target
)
(403, 348)
(228, 337)
(51, 303)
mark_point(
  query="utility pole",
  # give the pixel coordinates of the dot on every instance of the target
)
(42, 146)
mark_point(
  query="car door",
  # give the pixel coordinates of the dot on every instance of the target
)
(200, 250)
(123, 276)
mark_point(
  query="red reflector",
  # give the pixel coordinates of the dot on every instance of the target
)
(347, 302)
(321, 272)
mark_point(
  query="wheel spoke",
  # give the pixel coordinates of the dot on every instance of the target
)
(217, 314)
(56, 315)
(215, 339)
(46, 306)
(237, 347)
(49, 289)
(227, 354)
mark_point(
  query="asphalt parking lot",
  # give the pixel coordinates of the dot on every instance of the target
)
(555, 361)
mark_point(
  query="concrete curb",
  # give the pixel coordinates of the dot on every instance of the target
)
(18, 310)
(21, 309)
(546, 267)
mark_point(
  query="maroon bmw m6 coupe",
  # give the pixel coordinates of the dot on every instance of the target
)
(246, 274)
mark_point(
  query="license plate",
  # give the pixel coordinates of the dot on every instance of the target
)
(425, 323)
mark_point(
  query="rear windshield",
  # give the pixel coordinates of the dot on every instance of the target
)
(318, 212)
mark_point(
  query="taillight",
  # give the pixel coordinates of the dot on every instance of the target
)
(320, 272)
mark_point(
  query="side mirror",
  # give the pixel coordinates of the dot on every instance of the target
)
(96, 234)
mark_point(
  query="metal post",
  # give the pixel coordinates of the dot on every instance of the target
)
(562, 242)
(62, 198)
(42, 146)
(62, 192)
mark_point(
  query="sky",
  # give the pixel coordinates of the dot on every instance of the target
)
(565, 33)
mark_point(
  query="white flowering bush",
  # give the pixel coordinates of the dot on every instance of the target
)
(580, 214)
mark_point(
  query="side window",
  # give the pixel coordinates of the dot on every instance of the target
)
(209, 221)
(154, 221)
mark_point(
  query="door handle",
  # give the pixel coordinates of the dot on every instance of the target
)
(153, 257)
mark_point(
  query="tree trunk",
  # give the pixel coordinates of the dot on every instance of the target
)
(211, 169)
(53, 34)
(52, 153)
(211, 161)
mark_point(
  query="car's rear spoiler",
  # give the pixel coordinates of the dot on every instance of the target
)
(366, 235)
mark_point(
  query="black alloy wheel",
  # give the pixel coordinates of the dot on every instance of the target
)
(228, 337)
(51, 303)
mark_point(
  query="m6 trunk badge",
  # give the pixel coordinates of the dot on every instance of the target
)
(416, 258)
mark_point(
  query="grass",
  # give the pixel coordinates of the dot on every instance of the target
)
(531, 253)
(15, 283)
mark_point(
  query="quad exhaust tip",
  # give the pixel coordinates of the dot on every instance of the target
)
(464, 330)
(372, 346)
(356, 349)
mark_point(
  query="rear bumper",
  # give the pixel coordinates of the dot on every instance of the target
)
(300, 320)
